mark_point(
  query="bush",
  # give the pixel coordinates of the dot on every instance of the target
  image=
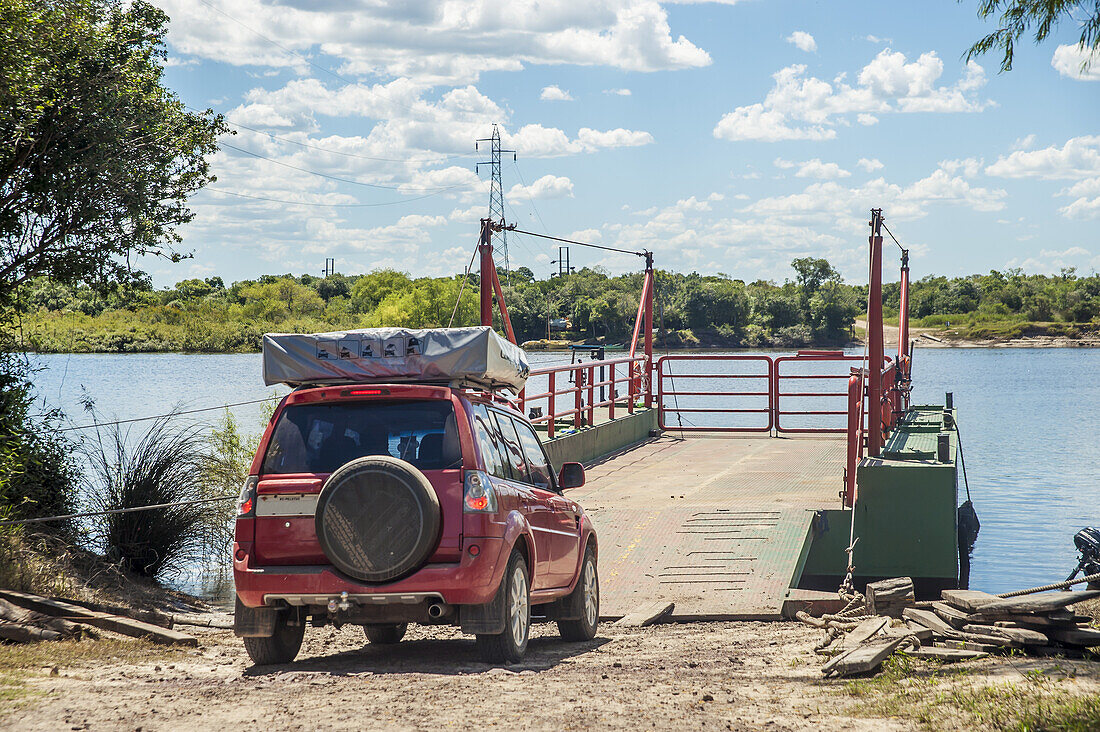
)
(37, 475)
(166, 464)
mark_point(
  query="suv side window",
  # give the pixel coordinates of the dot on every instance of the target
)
(485, 433)
(537, 464)
(510, 449)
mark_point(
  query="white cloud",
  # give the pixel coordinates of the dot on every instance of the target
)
(618, 92)
(803, 40)
(434, 43)
(1051, 261)
(870, 165)
(817, 169)
(548, 186)
(1024, 143)
(801, 107)
(1076, 63)
(876, 39)
(1078, 158)
(554, 93)
(969, 167)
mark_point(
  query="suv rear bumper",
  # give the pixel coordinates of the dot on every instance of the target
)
(471, 581)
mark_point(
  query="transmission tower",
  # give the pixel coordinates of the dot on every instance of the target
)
(496, 197)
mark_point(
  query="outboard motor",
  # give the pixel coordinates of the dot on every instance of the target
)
(1087, 541)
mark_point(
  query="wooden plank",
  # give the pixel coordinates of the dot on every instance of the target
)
(1043, 602)
(889, 597)
(970, 646)
(866, 657)
(1086, 637)
(990, 640)
(1020, 635)
(867, 629)
(647, 614)
(106, 621)
(923, 634)
(1046, 620)
(948, 655)
(929, 619)
(968, 600)
(952, 615)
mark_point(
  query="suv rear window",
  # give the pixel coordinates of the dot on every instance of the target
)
(319, 438)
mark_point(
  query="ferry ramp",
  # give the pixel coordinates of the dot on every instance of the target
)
(720, 526)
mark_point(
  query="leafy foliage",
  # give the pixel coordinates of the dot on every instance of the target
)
(204, 315)
(1017, 17)
(97, 158)
(37, 475)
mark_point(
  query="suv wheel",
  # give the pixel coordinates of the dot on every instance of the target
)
(583, 603)
(385, 634)
(509, 646)
(281, 647)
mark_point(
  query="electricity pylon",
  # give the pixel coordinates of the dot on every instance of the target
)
(496, 198)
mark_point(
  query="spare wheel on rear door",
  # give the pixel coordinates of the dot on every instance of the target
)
(377, 518)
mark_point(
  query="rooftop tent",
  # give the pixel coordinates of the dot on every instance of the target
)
(374, 355)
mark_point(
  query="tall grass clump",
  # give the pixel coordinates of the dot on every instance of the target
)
(166, 464)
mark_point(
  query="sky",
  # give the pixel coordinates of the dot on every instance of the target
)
(725, 137)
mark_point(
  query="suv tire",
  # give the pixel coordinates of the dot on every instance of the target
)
(583, 603)
(515, 587)
(281, 647)
(377, 518)
(385, 634)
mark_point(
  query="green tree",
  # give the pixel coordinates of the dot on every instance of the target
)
(1018, 17)
(97, 157)
(373, 288)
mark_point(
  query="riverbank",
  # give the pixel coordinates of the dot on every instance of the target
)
(710, 676)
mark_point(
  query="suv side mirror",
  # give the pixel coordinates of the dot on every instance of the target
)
(571, 476)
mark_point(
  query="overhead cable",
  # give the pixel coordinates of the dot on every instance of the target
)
(583, 244)
(95, 425)
(338, 178)
(327, 205)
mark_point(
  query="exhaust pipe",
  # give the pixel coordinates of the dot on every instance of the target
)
(438, 610)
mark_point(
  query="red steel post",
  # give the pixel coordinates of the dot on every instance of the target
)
(488, 269)
(614, 396)
(578, 397)
(591, 395)
(649, 329)
(875, 350)
(503, 306)
(855, 436)
(903, 318)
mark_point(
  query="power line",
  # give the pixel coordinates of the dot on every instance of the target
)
(340, 152)
(327, 205)
(299, 56)
(336, 177)
(96, 425)
(113, 511)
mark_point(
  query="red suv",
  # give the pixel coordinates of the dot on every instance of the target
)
(384, 504)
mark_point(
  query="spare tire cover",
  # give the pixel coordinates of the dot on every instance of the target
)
(377, 518)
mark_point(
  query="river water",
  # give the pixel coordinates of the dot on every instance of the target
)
(1025, 417)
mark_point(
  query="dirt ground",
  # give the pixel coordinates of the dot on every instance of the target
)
(695, 676)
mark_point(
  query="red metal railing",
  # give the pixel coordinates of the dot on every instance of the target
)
(814, 389)
(729, 411)
(585, 387)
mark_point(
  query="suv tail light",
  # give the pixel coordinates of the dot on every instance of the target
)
(246, 502)
(478, 495)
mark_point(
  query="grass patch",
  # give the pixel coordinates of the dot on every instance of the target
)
(949, 697)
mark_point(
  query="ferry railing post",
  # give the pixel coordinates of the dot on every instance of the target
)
(614, 396)
(578, 397)
(485, 248)
(591, 394)
(855, 435)
(551, 418)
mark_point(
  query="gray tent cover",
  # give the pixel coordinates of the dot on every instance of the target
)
(377, 355)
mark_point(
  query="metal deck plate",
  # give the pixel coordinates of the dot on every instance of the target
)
(719, 526)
